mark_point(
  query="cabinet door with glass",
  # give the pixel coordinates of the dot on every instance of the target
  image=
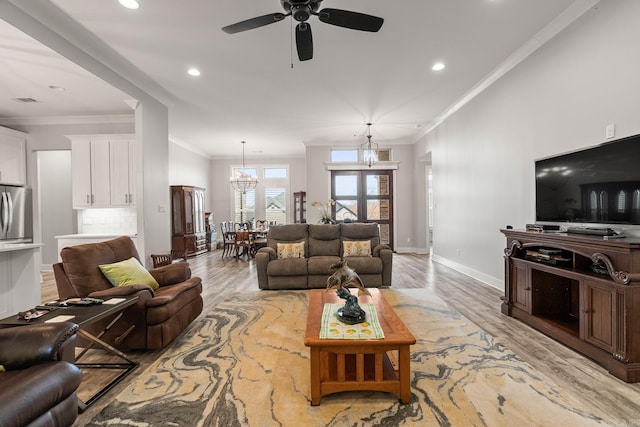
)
(300, 207)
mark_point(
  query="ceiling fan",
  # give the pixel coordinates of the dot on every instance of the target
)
(301, 10)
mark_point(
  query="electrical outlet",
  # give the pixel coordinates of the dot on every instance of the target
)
(458, 252)
(610, 131)
(162, 208)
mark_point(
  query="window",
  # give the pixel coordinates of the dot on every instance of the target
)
(275, 173)
(276, 205)
(239, 172)
(353, 155)
(270, 198)
(344, 155)
(245, 204)
(622, 202)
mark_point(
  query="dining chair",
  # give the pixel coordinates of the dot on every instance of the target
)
(228, 238)
(244, 242)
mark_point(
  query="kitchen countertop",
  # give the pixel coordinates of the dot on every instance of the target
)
(93, 236)
(8, 247)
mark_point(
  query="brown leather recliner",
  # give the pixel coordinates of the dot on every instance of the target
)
(39, 385)
(156, 319)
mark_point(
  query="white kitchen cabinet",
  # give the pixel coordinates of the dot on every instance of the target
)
(102, 171)
(90, 174)
(13, 161)
(121, 155)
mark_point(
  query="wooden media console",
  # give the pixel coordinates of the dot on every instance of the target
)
(581, 290)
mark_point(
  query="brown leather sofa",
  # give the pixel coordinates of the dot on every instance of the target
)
(38, 387)
(156, 319)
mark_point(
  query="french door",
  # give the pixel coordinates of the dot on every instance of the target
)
(364, 196)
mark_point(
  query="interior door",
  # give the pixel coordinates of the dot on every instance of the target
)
(364, 196)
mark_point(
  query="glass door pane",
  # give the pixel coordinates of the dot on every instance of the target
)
(188, 209)
(346, 210)
(346, 185)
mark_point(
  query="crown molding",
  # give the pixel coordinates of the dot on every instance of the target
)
(67, 120)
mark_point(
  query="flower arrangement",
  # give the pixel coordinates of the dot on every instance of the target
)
(325, 211)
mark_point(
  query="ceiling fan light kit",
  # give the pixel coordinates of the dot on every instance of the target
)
(301, 11)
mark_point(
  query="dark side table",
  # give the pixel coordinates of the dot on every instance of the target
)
(83, 316)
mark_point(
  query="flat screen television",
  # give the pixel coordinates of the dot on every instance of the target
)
(598, 185)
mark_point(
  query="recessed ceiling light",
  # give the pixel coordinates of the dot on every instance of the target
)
(57, 88)
(193, 72)
(438, 66)
(129, 4)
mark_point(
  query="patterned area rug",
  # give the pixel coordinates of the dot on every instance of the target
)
(245, 364)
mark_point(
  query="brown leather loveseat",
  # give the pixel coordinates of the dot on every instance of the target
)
(156, 319)
(39, 382)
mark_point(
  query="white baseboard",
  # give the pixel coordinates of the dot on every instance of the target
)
(478, 275)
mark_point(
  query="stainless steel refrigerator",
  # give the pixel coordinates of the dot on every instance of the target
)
(16, 215)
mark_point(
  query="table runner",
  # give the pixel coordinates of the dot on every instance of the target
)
(332, 328)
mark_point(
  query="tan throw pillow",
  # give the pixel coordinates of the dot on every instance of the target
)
(291, 250)
(356, 248)
(128, 272)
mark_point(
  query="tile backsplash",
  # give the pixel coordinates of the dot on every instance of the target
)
(108, 221)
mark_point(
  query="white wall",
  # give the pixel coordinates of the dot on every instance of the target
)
(189, 168)
(558, 100)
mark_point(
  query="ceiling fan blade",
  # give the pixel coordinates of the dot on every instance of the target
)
(304, 41)
(250, 24)
(352, 20)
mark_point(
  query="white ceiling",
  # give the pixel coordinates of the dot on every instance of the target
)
(254, 88)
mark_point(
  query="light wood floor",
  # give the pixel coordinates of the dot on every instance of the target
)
(615, 400)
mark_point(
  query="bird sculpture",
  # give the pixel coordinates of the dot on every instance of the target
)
(343, 277)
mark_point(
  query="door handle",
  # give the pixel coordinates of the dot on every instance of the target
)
(10, 203)
(5, 213)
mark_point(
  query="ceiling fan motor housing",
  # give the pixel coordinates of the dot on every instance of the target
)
(300, 10)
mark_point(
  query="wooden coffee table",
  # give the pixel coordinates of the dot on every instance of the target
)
(358, 364)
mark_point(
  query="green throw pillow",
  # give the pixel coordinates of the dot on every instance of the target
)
(128, 272)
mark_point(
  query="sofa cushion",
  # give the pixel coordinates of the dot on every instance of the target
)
(128, 272)
(290, 250)
(356, 248)
(365, 265)
(361, 231)
(287, 267)
(324, 240)
(319, 265)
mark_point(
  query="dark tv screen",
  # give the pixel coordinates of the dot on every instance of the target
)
(599, 185)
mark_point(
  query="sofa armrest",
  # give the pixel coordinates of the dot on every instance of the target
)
(263, 257)
(385, 253)
(121, 291)
(172, 273)
(24, 346)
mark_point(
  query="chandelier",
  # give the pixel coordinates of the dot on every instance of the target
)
(242, 181)
(369, 149)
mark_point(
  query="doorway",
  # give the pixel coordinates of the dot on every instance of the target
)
(364, 196)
